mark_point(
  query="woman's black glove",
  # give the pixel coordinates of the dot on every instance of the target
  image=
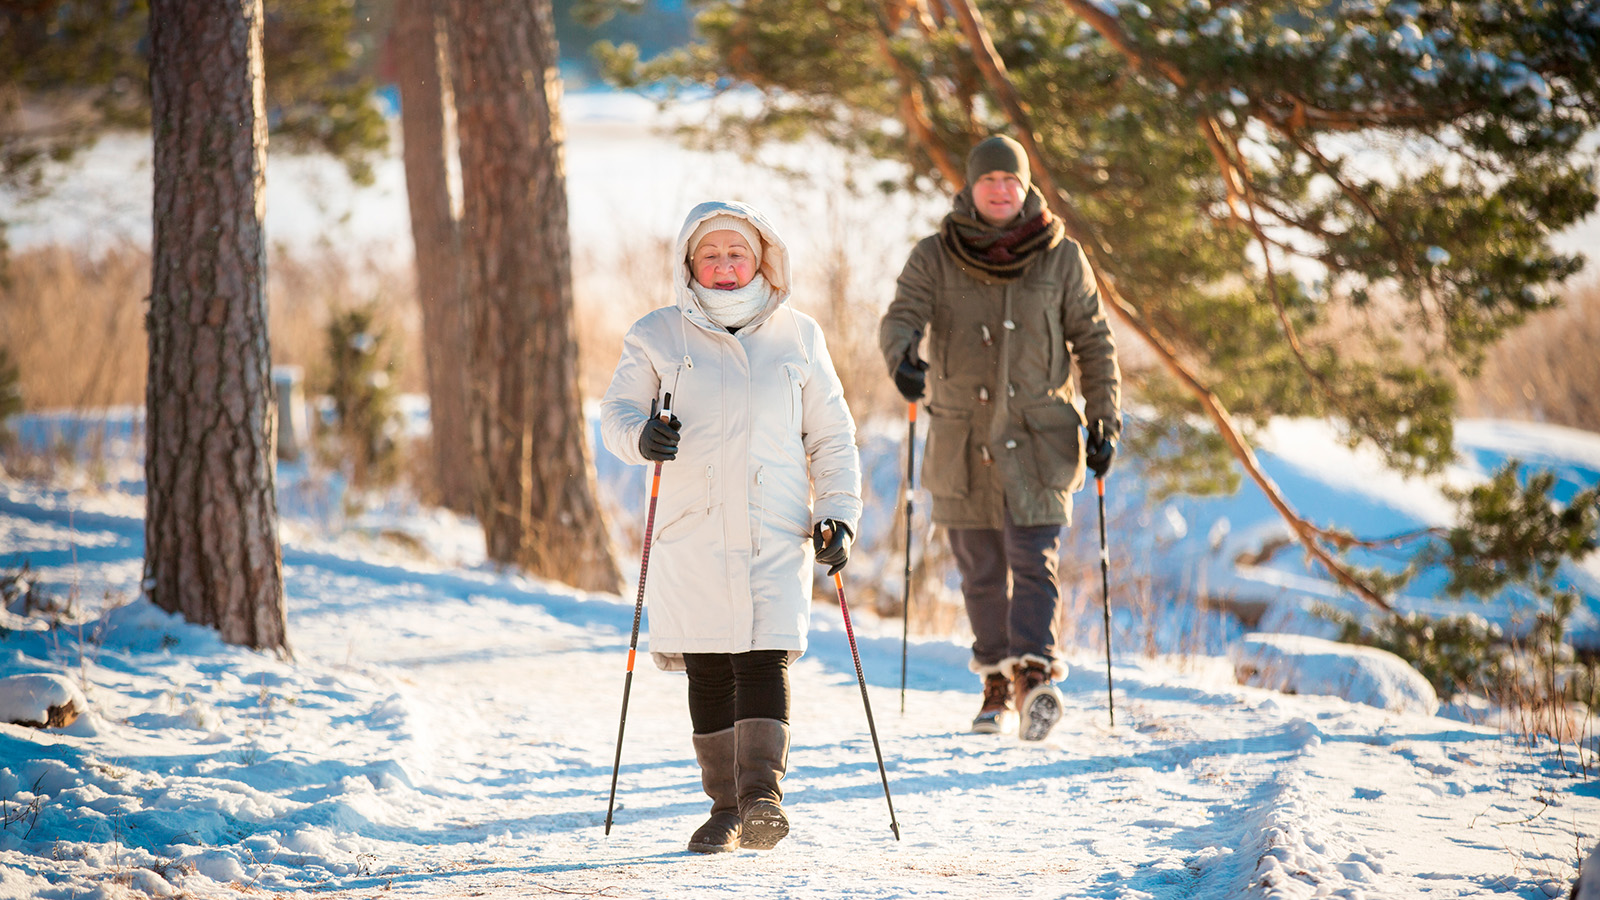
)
(1098, 449)
(659, 440)
(834, 548)
(911, 376)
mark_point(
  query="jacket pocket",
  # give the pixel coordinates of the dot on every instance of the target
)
(1057, 443)
(945, 463)
(794, 384)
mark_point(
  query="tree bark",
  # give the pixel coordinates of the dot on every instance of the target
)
(211, 522)
(536, 486)
(420, 44)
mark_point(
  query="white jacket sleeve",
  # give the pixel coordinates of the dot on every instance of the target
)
(829, 433)
(626, 406)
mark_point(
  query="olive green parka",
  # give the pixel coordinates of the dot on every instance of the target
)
(1003, 430)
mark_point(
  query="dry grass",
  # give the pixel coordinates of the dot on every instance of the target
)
(303, 293)
(74, 324)
(1547, 370)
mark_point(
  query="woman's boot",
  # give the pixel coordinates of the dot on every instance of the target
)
(762, 749)
(719, 776)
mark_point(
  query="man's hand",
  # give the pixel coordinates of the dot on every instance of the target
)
(659, 440)
(911, 376)
(832, 542)
(1099, 448)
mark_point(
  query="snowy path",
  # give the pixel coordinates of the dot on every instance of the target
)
(1207, 793)
(450, 734)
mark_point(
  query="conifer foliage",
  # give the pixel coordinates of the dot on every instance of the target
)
(360, 357)
(10, 396)
(71, 70)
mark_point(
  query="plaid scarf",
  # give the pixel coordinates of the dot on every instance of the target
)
(999, 254)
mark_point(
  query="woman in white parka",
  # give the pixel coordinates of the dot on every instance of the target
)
(759, 456)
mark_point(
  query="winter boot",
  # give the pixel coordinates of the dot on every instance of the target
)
(1038, 702)
(719, 776)
(998, 713)
(762, 748)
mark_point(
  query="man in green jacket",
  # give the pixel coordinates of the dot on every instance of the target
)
(1008, 303)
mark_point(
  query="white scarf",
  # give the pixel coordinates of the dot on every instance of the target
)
(735, 308)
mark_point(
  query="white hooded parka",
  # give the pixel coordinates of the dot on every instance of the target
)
(767, 450)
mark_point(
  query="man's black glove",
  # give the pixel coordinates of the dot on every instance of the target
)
(1098, 449)
(659, 440)
(911, 376)
(834, 549)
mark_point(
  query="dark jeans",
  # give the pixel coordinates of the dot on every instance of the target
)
(1008, 579)
(727, 687)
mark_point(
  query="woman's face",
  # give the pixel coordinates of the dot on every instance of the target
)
(998, 197)
(723, 261)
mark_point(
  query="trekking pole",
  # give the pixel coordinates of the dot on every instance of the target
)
(638, 611)
(838, 583)
(1105, 592)
(905, 600)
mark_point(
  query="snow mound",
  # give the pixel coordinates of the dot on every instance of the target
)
(40, 700)
(1298, 664)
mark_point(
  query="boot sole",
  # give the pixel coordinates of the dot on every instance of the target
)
(1041, 712)
(763, 828)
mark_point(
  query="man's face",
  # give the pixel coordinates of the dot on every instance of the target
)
(998, 196)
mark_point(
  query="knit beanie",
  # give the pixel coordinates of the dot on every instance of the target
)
(998, 154)
(728, 222)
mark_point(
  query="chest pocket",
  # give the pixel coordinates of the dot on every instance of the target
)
(793, 386)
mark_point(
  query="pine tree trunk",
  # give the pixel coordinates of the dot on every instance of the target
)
(420, 47)
(211, 521)
(537, 492)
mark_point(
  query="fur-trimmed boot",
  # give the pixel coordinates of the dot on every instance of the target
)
(998, 713)
(719, 775)
(762, 748)
(1038, 701)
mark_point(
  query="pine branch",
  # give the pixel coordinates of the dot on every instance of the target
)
(913, 105)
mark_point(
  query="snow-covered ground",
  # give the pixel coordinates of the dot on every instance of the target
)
(446, 730)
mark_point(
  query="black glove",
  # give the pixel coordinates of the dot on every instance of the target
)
(659, 440)
(911, 376)
(833, 550)
(1098, 449)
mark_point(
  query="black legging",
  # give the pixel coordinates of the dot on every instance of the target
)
(727, 687)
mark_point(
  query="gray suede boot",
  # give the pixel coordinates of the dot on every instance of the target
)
(762, 747)
(719, 776)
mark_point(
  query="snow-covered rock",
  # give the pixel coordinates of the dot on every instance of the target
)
(1297, 664)
(40, 700)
